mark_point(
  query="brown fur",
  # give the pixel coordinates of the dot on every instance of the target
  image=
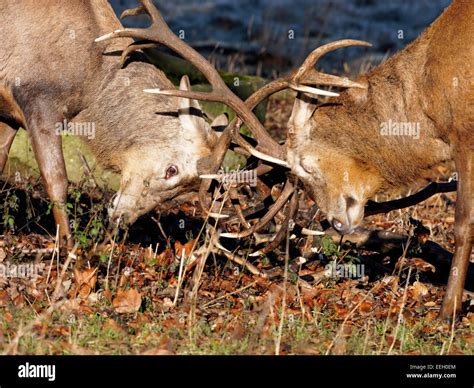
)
(339, 152)
(51, 70)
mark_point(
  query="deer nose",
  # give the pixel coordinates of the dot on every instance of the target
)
(336, 224)
(342, 228)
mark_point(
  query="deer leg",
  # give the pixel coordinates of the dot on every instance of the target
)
(463, 231)
(7, 134)
(49, 155)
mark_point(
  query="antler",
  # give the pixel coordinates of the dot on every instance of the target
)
(298, 80)
(306, 75)
(160, 32)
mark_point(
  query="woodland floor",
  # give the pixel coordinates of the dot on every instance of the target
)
(135, 292)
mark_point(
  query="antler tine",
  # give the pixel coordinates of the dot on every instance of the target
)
(281, 234)
(161, 33)
(306, 74)
(211, 163)
(135, 46)
(146, 7)
(133, 12)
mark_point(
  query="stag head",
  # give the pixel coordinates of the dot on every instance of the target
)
(156, 172)
(340, 183)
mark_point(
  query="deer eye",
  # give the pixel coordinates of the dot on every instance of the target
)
(171, 171)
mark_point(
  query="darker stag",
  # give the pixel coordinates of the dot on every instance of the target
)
(52, 71)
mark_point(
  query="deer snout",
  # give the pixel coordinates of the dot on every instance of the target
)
(122, 210)
(347, 220)
(342, 227)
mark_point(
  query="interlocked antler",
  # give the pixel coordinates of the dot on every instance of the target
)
(298, 80)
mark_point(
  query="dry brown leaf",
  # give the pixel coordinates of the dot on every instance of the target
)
(165, 258)
(391, 339)
(84, 282)
(422, 265)
(471, 318)
(19, 301)
(61, 331)
(341, 311)
(419, 290)
(8, 316)
(127, 301)
(112, 325)
(366, 307)
(178, 248)
(431, 316)
(225, 285)
(108, 294)
(4, 298)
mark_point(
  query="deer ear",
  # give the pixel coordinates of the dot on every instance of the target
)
(190, 113)
(217, 127)
(303, 109)
(220, 122)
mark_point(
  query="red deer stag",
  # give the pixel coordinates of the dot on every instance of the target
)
(53, 73)
(390, 128)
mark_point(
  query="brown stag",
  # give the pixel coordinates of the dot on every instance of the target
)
(53, 73)
(389, 128)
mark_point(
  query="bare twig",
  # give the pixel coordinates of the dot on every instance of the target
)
(180, 277)
(400, 314)
(283, 300)
(71, 255)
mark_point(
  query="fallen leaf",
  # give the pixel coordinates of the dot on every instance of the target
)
(391, 339)
(165, 258)
(4, 298)
(431, 316)
(422, 265)
(419, 290)
(8, 316)
(127, 301)
(112, 325)
(178, 248)
(365, 307)
(61, 331)
(19, 301)
(108, 294)
(84, 282)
